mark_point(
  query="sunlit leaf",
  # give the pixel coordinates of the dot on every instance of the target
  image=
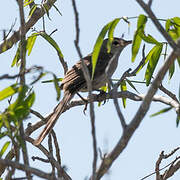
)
(16, 57)
(9, 91)
(153, 59)
(148, 38)
(142, 19)
(27, 2)
(161, 111)
(97, 46)
(33, 8)
(4, 148)
(30, 42)
(111, 33)
(123, 88)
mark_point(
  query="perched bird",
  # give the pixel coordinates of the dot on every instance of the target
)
(75, 82)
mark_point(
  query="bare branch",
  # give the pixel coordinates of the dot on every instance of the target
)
(51, 159)
(89, 86)
(169, 93)
(25, 168)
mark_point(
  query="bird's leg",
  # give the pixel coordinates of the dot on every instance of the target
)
(85, 101)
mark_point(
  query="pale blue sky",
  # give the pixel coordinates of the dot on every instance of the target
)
(73, 128)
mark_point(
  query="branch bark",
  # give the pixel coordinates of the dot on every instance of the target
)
(15, 37)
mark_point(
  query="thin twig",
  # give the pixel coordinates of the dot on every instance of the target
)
(169, 93)
(51, 158)
(25, 168)
(89, 86)
(57, 150)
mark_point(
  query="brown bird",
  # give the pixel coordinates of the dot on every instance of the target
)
(75, 82)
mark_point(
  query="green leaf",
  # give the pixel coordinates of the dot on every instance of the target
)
(9, 91)
(97, 46)
(111, 33)
(16, 57)
(153, 59)
(30, 100)
(56, 85)
(30, 42)
(4, 148)
(33, 8)
(142, 19)
(27, 2)
(148, 38)
(161, 111)
(171, 70)
(168, 24)
(57, 9)
(178, 60)
(46, 10)
(123, 88)
(177, 120)
(51, 41)
(131, 84)
(52, 80)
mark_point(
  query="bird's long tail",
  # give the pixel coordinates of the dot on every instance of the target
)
(54, 117)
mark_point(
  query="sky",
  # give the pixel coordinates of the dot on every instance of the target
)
(73, 129)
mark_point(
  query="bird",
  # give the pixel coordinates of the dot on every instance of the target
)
(74, 81)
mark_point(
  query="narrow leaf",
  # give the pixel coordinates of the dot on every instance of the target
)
(123, 88)
(56, 85)
(9, 91)
(131, 84)
(4, 148)
(142, 19)
(16, 57)
(111, 33)
(27, 2)
(52, 80)
(33, 8)
(52, 42)
(30, 42)
(161, 111)
(97, 46)
(57, 9)
(156, 52)
(171, 70)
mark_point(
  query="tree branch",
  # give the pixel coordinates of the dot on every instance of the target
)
(15, 37)
(144, 107)
(147, 9)
(89, 87)
(25, 168)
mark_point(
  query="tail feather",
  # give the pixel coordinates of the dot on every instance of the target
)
(54, 117)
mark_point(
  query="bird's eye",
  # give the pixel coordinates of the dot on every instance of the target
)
(116, 43)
